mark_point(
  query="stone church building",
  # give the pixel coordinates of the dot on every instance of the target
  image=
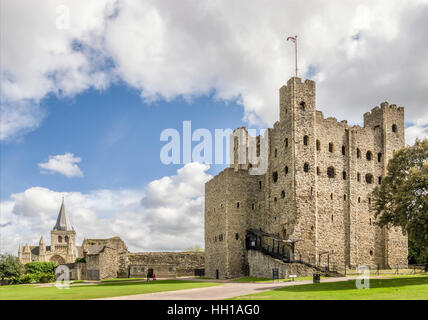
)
(63, 244)
(310, 210)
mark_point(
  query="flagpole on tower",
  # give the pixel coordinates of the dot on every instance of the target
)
(294, 39)
(295, 43)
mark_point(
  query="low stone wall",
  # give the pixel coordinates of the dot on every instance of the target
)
(185, 263)
(261, 266)
(161, 271)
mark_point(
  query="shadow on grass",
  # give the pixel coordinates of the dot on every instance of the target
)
(350, 285)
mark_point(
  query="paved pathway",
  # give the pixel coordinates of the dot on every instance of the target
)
(228, 290)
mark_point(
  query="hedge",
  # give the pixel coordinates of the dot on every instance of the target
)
(40, 267)
(38, 277)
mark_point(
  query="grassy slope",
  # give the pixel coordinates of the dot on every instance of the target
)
(411, 287)
(82, 292)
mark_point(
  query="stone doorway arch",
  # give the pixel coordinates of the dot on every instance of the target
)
(58, 259)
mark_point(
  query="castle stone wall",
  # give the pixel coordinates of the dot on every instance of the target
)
(316, 190)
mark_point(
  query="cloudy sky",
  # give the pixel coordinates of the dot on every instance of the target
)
(88, 86)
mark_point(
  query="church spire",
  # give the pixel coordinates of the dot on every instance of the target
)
(62, 222)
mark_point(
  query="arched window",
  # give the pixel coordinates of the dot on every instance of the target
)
(286, 170)
(343, 150)
(275, 176)
(276, 152)
(59, 239)
(253, 206)
(318, 145)
(66, 239)
(331, 147)
(306, 167)
(371, 252)
(359, 199)
(358, 177)
(344, 175)
(302, 105)
(358, 153)
(379, 157)
(369, 200)
(236, 236)
(331, 173)
(379, 180)
(305, 140)
(369, 178)
(331, 196)
(394, 128)
(260, 185)
(286, 142)
(344, 197)
(237, 205)
(283, 194)
(369, 155)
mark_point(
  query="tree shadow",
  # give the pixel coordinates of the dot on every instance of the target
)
(351, 285)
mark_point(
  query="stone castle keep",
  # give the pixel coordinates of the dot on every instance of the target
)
(310, 210)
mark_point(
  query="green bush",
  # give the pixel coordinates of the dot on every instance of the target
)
(40, 267)
(38, 277)
(81, 260)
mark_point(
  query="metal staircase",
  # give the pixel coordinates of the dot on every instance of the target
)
(285, 251)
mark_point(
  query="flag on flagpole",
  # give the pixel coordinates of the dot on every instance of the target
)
(291, 39)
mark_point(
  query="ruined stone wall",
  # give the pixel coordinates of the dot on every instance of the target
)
(120, 248)
(183, 263)
(161, 271)
(108, 263)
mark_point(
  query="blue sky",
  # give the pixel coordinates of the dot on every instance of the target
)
(115, 133)
(86, 90)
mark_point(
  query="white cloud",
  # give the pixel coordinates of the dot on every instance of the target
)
(357, 50)
(64, 164)
(166, 215)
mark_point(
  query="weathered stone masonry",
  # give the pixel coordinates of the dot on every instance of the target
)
(316, 190)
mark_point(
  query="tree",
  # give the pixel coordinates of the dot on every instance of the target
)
(402, 198)
(10, 266)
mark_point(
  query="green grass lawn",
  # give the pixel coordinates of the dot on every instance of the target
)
(103, 290)
(267, 280)
(397, 288)
(123, 279)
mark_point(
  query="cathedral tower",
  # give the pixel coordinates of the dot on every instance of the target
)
(63, 237)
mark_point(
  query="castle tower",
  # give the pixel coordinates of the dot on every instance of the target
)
(295, 134)
(388, 121)
(63, 236)
(42, 249)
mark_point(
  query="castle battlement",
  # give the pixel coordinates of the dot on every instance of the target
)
(316, 190)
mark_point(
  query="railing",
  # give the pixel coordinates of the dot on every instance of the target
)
(308, 260)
